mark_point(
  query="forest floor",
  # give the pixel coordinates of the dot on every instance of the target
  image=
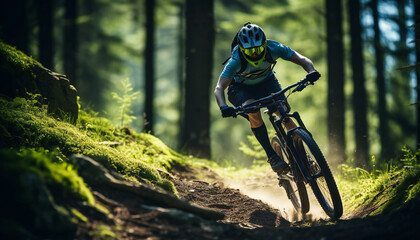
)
(257, 211)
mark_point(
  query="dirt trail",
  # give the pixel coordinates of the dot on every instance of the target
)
(239, 200)
(246, 217)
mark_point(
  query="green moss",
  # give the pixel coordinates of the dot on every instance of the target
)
(15, 60)
(137, 156)
(60, 178)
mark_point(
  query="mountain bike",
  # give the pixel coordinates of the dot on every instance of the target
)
(298, 148)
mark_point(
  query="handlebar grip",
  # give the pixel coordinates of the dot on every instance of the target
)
(313, 77)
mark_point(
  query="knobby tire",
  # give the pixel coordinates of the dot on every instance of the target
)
(321, 181)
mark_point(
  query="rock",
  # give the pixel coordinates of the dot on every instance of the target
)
(20, 74)
(46, 217)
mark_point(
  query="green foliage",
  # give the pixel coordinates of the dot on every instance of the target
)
(125, 101)
(136, 156)
(389, 187)
(254, 149)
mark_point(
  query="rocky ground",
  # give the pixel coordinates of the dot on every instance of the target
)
(245, 217)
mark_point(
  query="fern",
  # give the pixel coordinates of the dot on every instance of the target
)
(125, 101)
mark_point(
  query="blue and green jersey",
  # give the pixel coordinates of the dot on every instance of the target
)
(253, 75)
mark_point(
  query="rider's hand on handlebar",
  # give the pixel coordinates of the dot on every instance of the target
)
(313, 76)
(227, 111)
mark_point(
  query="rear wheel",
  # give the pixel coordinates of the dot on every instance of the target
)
(296, 191)
(321, 179)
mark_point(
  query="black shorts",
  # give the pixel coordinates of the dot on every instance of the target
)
(239, 93)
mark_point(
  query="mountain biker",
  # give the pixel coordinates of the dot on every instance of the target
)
(249, 76)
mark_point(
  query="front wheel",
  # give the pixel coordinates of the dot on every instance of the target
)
(321, 179)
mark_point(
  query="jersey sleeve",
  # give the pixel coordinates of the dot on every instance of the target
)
(279, 50)
(232, 66)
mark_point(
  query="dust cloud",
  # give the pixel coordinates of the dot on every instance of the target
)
(264, 187)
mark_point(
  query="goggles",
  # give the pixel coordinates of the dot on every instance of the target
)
(250, 51)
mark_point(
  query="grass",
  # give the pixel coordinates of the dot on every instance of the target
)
(388, 187)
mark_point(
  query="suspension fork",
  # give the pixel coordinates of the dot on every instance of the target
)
(287, 143)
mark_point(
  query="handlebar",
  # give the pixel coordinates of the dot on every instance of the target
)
(272, 98)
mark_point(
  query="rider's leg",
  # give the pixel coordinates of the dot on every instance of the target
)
(260, 132)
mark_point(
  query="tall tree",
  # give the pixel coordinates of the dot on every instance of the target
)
(181, 64)
(45, 35)
(149, 65)
(335, 80)
(380, 84)
(199, 65)
(14, 24)
(359, 94)
(401, 113)
(417, 37)
(70, 40)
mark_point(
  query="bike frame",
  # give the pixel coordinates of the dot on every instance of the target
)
(289, 149)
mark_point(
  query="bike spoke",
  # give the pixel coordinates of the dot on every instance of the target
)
(316, 174)
(326, 192)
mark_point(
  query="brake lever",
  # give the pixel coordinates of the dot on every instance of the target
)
(300, 87)
(303, 85)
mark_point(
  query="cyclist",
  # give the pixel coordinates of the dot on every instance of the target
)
(249, 76)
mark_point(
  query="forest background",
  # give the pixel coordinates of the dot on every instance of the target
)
(153, 64)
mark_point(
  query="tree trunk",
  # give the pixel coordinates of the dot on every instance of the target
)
(359, 96)
(380, 85)
(45, 35)
(70, 41)
(335, 80)
(417, 37)
(14, 24)
(181, 68)
(199, 65)
(149, 65)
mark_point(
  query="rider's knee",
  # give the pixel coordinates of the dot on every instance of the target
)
(255, 120)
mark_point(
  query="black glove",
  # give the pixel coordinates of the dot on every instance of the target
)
(228, 111)
(313, 76)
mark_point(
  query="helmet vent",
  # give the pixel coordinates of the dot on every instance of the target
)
(250, 36)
